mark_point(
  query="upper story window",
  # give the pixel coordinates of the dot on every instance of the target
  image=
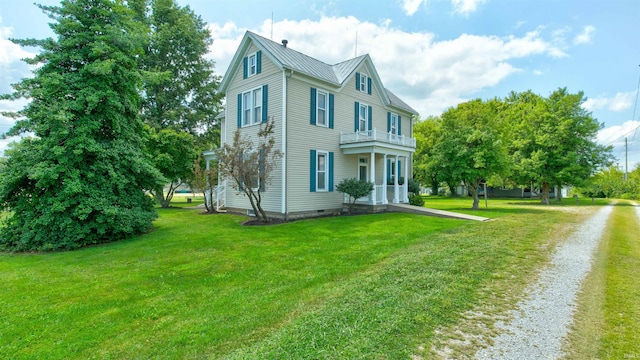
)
(363, 83)
(393, 126)
(252, 107)
(363, 117)
(322, 104)
(253, 64)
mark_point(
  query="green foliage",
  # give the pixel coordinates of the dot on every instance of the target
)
(610, 183)
(180, 87)
(416, 199)
(204, 181)
(82, 180)
(426, 162)
(470, 147)
(355, 189)
(413, 186)
(554, 140)
(173, 154)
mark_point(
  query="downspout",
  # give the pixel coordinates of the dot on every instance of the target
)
(284, 143)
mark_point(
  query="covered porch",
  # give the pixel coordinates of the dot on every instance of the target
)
(382, 159)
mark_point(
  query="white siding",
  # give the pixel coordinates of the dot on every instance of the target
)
(270, 75)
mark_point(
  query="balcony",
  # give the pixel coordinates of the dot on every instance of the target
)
(376, 135)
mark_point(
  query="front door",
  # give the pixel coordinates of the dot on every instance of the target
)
(363, 169)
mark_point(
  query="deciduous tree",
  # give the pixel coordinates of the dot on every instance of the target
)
(250, 164)
(470, 147)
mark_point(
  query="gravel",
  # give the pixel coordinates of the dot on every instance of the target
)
(541, 320)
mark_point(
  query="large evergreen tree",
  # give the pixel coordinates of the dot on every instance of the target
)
(82, 179)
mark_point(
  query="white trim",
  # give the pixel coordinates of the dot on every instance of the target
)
(393, 127)
(363, 78)
(365, 164)
(366, 117)
(326, 107)
(253, 55)
(284, 143)
(326, 170)
(252, 107)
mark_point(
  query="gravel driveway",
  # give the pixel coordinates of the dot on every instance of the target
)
(542, 319)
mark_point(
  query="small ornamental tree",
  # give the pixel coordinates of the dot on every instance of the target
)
(204, 181)
(249, 165)
(355, 189)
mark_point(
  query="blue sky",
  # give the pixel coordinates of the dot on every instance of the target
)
(433, 54)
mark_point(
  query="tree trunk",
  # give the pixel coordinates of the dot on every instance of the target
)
(559, 193)
(545, 194)
(434, 186)
(452, 188)
(476, 198)
(159, 195)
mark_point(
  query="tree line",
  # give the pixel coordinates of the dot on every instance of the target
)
(521, 140)
(122, 101)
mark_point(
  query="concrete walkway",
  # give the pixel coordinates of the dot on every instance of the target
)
(411, 209)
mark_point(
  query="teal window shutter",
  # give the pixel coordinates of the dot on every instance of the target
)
(370, 118)
(245, 68)
(312, 167)
(357, 81)
(313, 112)
(330, 171)
(388, 121)
(331, 106)
(239, 110)
(258, 62)
(369, 86)
(399, 125)
(388, 171)
(265, 103)
(399, 170)
(356, 117)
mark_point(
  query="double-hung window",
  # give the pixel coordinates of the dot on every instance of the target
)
(253, 64)
(393, 126)
(363, 83)
(322, 172)
(321, 108)
(252, 107)
(363, 118)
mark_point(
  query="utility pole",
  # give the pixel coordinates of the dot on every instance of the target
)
(626, 162)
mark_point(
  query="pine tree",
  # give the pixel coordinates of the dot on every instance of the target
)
(82, 178)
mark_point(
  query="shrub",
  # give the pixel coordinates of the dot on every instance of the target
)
(416, 199)
(413, 186)
(355, 189)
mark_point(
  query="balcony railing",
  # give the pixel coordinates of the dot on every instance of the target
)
(376, 135)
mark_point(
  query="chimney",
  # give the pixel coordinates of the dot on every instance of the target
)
(285, 42)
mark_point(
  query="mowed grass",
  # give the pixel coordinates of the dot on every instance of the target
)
(608, 320)
(203, 286)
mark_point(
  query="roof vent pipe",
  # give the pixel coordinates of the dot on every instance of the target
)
(285, 42)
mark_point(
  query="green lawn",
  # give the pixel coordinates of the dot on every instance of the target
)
(203, 286)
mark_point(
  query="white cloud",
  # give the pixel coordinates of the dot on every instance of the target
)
(585, 36)
(619, 102)
(465, 7)
(10, 52)
(428, 74)
(615, 136)
(411, 6)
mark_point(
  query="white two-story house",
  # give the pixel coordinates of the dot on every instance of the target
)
(332, 122)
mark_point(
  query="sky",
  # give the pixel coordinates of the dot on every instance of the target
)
(434, 54)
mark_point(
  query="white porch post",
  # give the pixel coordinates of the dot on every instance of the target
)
(372, 176)
(395, 182)
(207, 196)
(384, 180)
(406, 180)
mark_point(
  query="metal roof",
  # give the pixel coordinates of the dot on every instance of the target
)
(287, 58)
